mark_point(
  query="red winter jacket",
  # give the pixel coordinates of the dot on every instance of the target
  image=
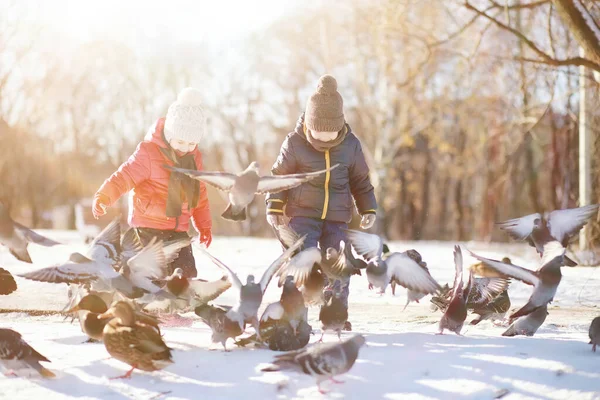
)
(145, 175)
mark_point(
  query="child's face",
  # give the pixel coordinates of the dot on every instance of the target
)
(324, 136)
(182, 146)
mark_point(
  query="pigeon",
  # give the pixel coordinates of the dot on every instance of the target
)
(130, 339)
(488, 298)
(279, 328)
(99, 267)
(595, 333)
(559, 225)
(242, 187)
(340, 265)
(321, 361)
(193, 292)
(7, 283)
(221, 325)
(304, 266)
(251, 293)
(16, 354)
(292, 302)
(456, 313)
(397, 267)
(545, 280)
(333, 315)
(17, 237)
(528, 324)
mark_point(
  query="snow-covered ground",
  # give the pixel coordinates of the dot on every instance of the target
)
(403, 359)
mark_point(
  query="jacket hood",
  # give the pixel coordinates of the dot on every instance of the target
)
(155, 133)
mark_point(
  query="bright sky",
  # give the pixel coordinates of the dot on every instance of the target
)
(199, 20)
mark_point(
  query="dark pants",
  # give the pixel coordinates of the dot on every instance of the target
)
(185, 260)
(323, 234)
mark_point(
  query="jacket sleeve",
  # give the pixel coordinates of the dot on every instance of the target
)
(285, 164)
(201, 218)
(360, 184)
(130, 174)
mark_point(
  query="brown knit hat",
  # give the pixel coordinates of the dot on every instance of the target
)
(325, 108)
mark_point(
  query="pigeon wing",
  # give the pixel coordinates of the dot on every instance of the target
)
(279, 183)
(69, 272)
(149, 264)
(205, 291)
(278, 263)
(235, 280)
(565, 223)
(300, 266)
(513, 271)
(31, 236)
(220, 180)
(366, 244)
(408, 273)
(519, 228)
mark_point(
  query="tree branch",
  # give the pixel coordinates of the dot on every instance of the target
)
(545, 58)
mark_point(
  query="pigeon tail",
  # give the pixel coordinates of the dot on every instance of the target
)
(525, 310)
(511, 331)
(21, 255)
(569, 262)
(233, 216)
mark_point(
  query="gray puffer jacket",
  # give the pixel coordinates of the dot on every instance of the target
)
(329, 196)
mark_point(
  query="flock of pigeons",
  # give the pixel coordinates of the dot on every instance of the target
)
(113, 284)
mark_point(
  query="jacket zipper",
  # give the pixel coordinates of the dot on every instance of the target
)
(327, 177)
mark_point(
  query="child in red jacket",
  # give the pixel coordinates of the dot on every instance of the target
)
(164, 203)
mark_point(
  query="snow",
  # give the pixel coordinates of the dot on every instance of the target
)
(403, 359)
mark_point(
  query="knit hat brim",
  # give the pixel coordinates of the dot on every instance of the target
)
(321, 124)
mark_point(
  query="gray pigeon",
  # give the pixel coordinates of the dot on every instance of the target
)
(340, 265)
(222, 327)
(304, 266)
(251, 293)
(333, 315)
(17, 237)
(528, 324)
(545, 280)
(16, 354)
(595, 333)
(559, 225)
(456, 313)
(7, 282)
(242, 187)
(397, 267)
(321, 361)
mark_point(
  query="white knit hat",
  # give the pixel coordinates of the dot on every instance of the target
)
(186, 119)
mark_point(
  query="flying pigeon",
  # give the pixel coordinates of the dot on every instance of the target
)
(221, 325)
(545, 280)
(242, 187)
(16, 354)
(340, 265)
(333, 315)
(528, 324)
(17, 237)
(251, 293)
(595, 333)
(456, 313)
(321, 361)
(397, 267)
(7, 282)
(559, 225)
(304, 266)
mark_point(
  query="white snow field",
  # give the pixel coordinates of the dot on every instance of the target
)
(403, 359)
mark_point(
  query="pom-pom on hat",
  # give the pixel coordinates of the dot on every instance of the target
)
(186, 119)
(325, 108)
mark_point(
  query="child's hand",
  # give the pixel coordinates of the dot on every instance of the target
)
(275, 220)
(205, 237)
(367, 221)
(100, 205)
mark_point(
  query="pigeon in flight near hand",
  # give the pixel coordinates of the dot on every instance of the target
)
(243, 186)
